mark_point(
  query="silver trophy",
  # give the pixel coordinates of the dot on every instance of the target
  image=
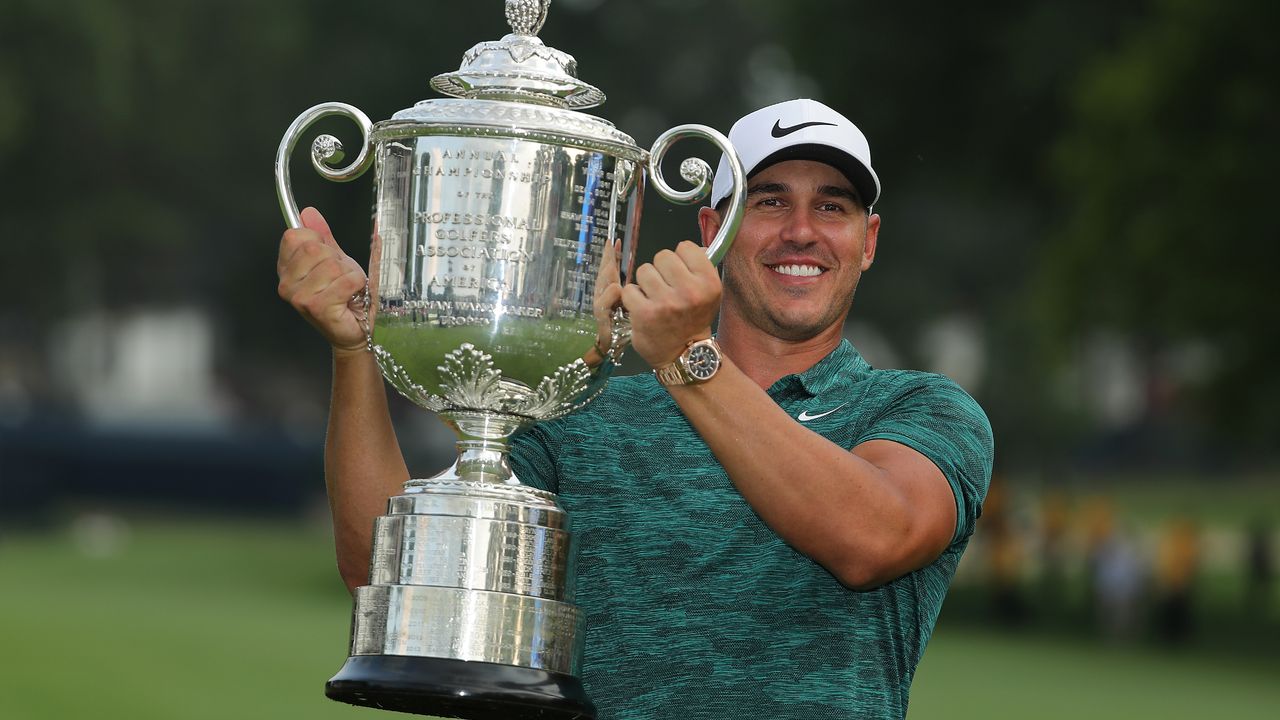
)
(497, 210)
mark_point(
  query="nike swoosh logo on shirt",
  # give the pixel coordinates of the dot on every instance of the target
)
(804, 415)
(778, 131)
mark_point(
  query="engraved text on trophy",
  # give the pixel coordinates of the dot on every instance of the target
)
(494, 242)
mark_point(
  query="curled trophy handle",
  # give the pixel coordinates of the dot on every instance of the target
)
(697, 172)
(326, 152)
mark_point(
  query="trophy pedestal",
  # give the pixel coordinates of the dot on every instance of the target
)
(469, 608)
(458, 688)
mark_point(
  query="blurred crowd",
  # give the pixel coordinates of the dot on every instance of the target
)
(1055, 557)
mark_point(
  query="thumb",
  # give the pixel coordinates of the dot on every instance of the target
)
(313, 220)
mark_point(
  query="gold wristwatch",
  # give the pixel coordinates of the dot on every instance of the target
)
(697, 364)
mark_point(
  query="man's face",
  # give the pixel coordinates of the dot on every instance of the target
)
(803, 244)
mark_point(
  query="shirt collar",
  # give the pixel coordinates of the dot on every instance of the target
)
(843, 361)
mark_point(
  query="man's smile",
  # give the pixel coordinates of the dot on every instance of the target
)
(797, 270)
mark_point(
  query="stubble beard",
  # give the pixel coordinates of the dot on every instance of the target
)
(758, 313)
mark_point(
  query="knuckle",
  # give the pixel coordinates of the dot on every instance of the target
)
(315, 306)
(352, 282)
(330, 267)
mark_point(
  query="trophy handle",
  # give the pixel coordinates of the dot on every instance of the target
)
(697, 172)
(326, 152)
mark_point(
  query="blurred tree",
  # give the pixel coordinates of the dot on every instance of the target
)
(136, 138)
(1166, 174)
(961, 102)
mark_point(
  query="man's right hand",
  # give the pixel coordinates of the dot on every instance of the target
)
(319, 280)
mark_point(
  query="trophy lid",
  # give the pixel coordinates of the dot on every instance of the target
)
(519, 67)
(515, 86)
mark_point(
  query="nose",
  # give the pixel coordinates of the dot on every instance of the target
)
(799, 227)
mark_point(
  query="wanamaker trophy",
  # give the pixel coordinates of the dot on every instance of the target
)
(494, 209)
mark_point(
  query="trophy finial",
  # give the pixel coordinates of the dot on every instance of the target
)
(526, 16)
(520, 67)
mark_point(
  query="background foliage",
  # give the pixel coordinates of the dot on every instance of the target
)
(1054, 169)
(1076, 196)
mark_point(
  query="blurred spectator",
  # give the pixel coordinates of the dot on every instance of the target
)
(1004, 554)
(1054, 520)
(1099, 524)
(1260, 570)
(1120, 576)
(1176, 570)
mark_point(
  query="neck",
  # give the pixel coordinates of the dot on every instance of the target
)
(765, 358)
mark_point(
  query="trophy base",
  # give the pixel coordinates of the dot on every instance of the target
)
(459, 689)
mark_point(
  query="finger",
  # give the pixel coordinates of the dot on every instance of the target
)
(608, 270)
(673, 268)
(307, 258)
(634, 299)
(607, 300)
(313, 220)
(290, 242)
(650, 281)
(329, 297)
(326, 273)
(695, 259)
(619, 271)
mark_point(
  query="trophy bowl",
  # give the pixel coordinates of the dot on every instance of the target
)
(498, 212)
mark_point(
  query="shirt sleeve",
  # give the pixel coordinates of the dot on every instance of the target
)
(533, 457)
(938, 419)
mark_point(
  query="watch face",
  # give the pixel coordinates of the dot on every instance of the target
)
(703, 362)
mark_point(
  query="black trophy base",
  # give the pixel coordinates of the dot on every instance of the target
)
(459, 689)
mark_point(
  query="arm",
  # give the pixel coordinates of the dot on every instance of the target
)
(868, 516)
(363, 463)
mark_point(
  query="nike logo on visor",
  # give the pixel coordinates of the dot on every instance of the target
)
(804, 415)
(778, 131)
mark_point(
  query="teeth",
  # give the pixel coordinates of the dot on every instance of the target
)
(798, 270)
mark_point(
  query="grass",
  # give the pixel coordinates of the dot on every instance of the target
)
(991, 674)
(185, 619)
(182, 621)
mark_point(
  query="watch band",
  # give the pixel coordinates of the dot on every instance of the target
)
(672, 373)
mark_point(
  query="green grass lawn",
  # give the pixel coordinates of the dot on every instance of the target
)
(183, 619)
(994, 674)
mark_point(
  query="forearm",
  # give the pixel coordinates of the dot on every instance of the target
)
(843, 511)
(362, 459)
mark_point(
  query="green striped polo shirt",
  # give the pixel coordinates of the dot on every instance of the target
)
(698, 611)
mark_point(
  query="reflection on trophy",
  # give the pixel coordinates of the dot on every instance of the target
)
(496, 212)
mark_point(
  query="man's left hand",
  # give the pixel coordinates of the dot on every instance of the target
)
(672, 303)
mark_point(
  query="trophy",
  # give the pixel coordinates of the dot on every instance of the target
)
(496, 211)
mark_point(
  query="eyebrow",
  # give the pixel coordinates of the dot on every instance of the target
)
(823, 190)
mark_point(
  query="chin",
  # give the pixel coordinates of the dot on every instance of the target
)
(793, 328)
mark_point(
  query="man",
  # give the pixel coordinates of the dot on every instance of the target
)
(767, 524)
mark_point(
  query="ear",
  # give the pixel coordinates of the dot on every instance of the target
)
(869, 242)
(709, 223)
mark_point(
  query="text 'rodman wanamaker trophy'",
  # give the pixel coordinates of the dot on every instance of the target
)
(494, 210)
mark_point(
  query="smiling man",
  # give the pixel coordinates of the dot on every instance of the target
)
(767, 524)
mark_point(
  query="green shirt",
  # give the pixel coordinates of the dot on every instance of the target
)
(698, 611)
